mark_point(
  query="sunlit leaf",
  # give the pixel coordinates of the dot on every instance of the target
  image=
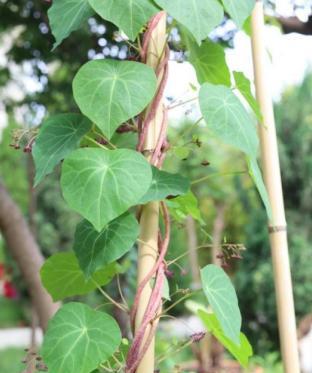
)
(110, 92)
(198, 16)
(226, 116)
(209, 63)
(241, 352)
(102, 184)
(66, 16)
(79, 339)
(58, 137)
(62, 276)
(239, 10)
(222, 298)
(129, 16)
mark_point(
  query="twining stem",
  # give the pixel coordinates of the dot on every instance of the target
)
(117, 361)
(147, 244)
(225, 245)
(121, 293)
(188, 130)
(95, 142)
(141, 358)
(216, 174)
(186, 296)
(182, 347)
(170, 107)
(105, 138)
(118, 305)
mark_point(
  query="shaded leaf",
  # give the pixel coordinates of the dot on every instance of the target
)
(66, 16)
(241, 352)
(94, 250)
(78, 339)
(165, 184)
(58, 137)
(129, 16)
(110, 92)
(239, 10)
(185, 205)
(222, 298)
(228, 119)
(243, 85)
(126, 140)
(102, 184)
(62, 276)
(198, 16)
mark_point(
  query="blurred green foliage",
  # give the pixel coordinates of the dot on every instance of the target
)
(13, 171)
(10, 360)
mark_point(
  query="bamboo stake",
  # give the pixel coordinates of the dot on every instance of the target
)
(149, 222)
(272, 177)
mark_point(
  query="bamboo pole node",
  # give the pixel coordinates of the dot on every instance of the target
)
(277, 228)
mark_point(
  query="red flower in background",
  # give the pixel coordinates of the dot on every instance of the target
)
(9, 291)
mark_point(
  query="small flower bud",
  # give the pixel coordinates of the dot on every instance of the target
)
(205, 163)
(197, 337)
(169, 274)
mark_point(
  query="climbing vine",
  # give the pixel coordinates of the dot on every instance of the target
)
(109, 180)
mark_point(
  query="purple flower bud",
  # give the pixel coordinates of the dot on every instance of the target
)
(169, 274)
(197, 337)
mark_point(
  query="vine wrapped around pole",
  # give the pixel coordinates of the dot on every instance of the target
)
(153, 248)
(103, 178)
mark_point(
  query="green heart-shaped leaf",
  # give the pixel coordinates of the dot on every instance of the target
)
(129, 16)
(198, 16)
(102, 184)
(221, 295)
(95, 250)
(58, 137)
(165, 184)
(79, 339)
(241, 352)
(62, 276)
(209, 63)
(66, 16)
(239, 10)
(110, 92)
(228, 119)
